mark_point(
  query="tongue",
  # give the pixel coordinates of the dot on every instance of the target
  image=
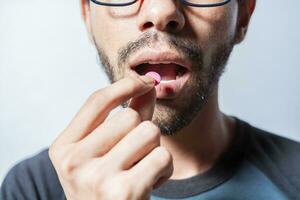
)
(166, 71)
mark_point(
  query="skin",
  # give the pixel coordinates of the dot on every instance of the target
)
(93, 155)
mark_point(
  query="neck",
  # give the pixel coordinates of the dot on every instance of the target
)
(196, 147)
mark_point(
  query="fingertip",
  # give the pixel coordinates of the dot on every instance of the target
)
(149, 80)
(155, 76)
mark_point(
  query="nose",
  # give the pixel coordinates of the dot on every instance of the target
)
(163, 15)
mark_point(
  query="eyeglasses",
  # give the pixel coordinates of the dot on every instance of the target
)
(193, 3)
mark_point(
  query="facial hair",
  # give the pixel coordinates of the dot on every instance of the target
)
(173, 115)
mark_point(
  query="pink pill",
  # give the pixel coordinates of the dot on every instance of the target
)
(156, 77)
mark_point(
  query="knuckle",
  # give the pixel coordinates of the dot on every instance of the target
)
(55, 153)
(66, 167)
(131, 83)
(151, 131)
(68, 161)
(121, 188)
(97, 96)
(163, 156)
(151, 126)
(132, 116)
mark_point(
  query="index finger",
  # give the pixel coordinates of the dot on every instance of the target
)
(100, 103)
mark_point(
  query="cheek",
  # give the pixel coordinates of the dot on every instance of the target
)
(213, 25)
(213, 28)
(110, 33)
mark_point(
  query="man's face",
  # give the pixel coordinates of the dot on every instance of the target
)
(187, 46)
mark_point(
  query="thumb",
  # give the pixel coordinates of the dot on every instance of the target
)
(144, 104)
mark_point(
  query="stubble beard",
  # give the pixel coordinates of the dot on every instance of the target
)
(173, 115)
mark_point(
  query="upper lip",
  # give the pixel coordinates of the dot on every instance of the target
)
(158, 57)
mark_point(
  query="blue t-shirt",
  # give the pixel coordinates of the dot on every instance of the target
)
(249, 183)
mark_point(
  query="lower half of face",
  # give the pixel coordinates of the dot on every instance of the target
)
(176, 106)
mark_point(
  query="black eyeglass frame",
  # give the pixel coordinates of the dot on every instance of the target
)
(185, 2)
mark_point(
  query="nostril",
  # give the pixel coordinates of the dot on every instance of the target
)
(148, 25)
(172, 25)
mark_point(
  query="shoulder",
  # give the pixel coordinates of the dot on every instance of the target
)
(277, 156)
(279, 147)
(32, 178)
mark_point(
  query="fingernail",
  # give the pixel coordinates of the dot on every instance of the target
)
(148, 79)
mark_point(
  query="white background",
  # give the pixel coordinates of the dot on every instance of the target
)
(48, 68)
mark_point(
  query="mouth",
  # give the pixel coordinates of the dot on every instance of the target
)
(174, 72)
(168, 71)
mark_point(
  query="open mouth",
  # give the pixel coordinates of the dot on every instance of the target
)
(173, 77)
(173, 68)
(167, 71)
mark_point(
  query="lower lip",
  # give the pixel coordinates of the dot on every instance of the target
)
(170, 89)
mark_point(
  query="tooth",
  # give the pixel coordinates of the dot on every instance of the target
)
(166, 81)
(162, 62)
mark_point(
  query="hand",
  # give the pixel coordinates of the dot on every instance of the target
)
(117, 158)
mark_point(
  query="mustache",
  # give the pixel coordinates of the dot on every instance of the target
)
(188, 48)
